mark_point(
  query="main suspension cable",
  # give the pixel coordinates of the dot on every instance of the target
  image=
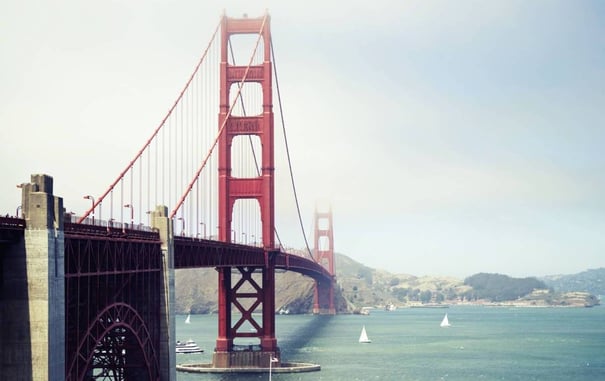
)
(222, 127)
(130, 165)
(283, 124)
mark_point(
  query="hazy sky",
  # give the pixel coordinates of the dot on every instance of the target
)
(450, 137)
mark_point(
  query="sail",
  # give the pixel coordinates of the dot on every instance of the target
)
(188, 320)
(445, 322)
(363, 338)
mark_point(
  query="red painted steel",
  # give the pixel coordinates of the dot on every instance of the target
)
(112, 281)
(139, 154)
(112, 287)
(113, 276)
(325, 257)
(195, 253)
(260, 188)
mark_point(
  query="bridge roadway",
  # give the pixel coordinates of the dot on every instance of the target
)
(115, 256)
(195, 252)
(11, 229)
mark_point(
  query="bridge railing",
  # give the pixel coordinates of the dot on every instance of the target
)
(72, 218)
(115, 229)
(9, 222)
(11, 230)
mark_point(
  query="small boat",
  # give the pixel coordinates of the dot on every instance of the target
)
(188, 346)
(363, 338)
(445, 322)
(188, 320)
(390, 307)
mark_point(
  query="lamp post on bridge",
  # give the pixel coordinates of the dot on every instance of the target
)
(244, 239)
(17, 211)
(182, 225)
(92, 199)
(131, 215)
(271, 361)
(204, 226)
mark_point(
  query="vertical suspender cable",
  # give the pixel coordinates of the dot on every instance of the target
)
(154, 134)
(122, 201)
(220, 131)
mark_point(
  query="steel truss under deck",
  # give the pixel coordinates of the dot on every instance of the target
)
(112, 285)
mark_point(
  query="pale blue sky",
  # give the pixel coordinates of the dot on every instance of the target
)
(449, 137)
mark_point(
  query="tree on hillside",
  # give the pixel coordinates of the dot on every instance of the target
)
(425, 296)
(439, 297)
(365, 273)
(498, 287)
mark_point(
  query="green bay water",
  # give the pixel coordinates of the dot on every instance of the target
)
(483, 343)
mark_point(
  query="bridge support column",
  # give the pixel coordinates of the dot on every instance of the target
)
(224, 341)
(33, 312)
(268, 340)
(323, 301)
(167, 358)
(247, 293)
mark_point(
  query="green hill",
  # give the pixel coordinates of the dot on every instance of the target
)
(359, 286)
(498, 287)
(592, 281)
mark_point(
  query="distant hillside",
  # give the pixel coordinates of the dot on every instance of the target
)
(360, 286)
(498, 287)
(592, 281)
(363, 286)
(196, 291)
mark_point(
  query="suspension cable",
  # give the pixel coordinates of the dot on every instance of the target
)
(256, 164)
(222, 127)
(283, 124)
(155, 132)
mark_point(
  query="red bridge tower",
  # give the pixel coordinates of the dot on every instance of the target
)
(324, 255)
(246, 295)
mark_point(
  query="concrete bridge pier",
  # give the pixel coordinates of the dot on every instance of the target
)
(164, 225)
(32, 344)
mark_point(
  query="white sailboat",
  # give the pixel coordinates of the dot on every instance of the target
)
(363, 338)
(445, 322)
(188, 320)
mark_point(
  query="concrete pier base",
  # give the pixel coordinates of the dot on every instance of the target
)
(248, 361)
(284, 367)
(163, 224)
(32, 344)
(244, 359)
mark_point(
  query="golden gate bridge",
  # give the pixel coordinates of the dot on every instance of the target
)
(92, 296)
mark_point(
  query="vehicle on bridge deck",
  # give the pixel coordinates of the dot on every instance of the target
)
(188, 346)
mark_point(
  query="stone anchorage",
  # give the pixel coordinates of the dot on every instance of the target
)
(33, 289)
